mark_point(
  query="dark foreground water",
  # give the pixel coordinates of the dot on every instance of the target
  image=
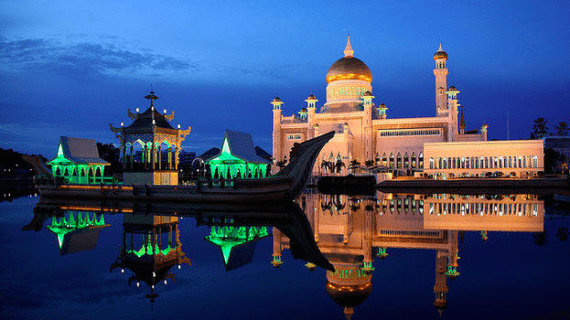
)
(521, 271)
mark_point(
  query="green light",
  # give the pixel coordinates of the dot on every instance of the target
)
(228, 237)
(69, 224)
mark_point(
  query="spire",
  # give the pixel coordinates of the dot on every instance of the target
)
(348, 312)
(462, 121)
(348, 52)
(440, 48)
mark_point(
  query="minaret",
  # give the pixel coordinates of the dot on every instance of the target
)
(462, 123)
(311, 110)
(440, 288)
(276, 262)
(277, 129)
(440, 73)
(484, 131)
(453, 105)
(368, 151)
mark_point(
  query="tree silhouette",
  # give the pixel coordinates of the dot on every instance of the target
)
(562, 129)
(354, 164)
(339, 165)
(539, 129)
(540, 238)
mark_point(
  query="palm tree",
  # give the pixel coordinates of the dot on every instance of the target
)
(354, 164)
(338, 165)
(325, 165)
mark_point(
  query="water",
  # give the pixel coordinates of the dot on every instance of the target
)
(508, 276)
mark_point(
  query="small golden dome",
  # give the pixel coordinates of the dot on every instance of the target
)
(440, 54)
(453, 89)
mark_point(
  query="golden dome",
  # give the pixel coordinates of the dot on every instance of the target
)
(349, 68)
(347, 295)
(440, 54)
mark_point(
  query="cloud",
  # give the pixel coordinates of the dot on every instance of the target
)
(84, 59)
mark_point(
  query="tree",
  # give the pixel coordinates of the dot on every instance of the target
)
(339, 165)
(369, 163)
(354, 164)
(108, 152)
(553, 160)
(539, 129)
(562, 129)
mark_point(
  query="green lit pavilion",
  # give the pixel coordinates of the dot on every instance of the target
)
(237, 158)
(78, 161)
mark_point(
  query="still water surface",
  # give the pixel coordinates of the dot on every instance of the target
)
(394, 256)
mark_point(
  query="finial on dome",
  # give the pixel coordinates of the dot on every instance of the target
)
(348, 312)
(348, 52)
(440, 48)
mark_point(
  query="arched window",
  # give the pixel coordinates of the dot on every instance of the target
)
(391, 164)
(414, 160)
(421, 160)
(399, 161)
(406, 161)
(431, 164)
(384, 159)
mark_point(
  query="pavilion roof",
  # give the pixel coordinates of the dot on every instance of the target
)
(79, 151)
(144, 121)
(240, 145)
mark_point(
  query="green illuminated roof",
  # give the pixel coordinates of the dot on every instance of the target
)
(238, 145)
(237, 244)
(77, 234)
(77, 151)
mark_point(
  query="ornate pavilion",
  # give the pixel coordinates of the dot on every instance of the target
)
(159, 144)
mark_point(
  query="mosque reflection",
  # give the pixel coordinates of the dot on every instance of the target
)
(342, 234)
(351, 231)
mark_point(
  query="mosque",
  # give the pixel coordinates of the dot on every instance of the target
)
(365, 133)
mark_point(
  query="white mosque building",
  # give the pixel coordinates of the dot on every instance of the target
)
(366, 133)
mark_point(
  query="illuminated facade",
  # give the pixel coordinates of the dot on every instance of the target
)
(152, 134)
(518, 158)
(364, 131)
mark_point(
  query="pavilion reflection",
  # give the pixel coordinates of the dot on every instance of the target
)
(150, 248)
(351, 231)
(76, 230)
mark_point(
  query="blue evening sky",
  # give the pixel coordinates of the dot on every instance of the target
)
(71, 67)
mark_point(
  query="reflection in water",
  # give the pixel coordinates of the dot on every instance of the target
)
(151, 247)
(77, 230)
(237, 243)
(340, 233)
(349, 230)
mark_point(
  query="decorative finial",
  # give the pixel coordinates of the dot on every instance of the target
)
(348, 52)
(151, 96)
(440, 48)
